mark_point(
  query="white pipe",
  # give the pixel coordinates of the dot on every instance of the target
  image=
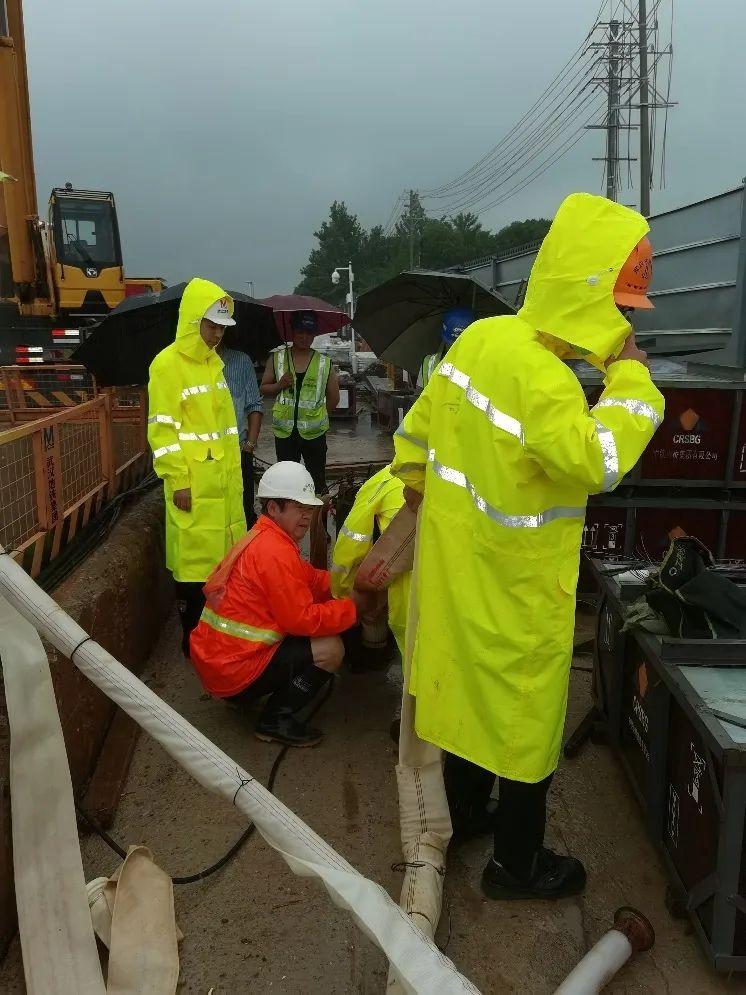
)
(420, 966)
(598, 966)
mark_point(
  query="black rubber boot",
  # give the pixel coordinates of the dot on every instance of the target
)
(552, 876)
(281, 726)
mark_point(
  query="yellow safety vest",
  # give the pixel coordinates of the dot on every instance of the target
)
(428, 367)
(506, 452)
(192, 432)
(377, 502)
(313, 417)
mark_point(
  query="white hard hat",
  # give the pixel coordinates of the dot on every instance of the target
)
(220, 313)
(291, 481)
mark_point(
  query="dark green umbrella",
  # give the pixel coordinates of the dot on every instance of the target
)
(121, 347)
(401, 318)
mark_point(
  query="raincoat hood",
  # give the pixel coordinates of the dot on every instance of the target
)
(570, 293)
(198, 296)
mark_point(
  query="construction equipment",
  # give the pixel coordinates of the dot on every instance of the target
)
(57, 275)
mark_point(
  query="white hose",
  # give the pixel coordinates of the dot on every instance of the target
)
(420, 966)
(598, 966)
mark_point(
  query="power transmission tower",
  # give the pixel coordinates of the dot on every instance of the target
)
(631, 88)
(645, 150)
(612, 118)
(411, 229)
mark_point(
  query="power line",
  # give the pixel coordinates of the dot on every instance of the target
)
(523, 157)
(550, 89)
(524, 144)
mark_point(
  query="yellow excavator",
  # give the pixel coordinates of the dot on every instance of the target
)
(60, 274)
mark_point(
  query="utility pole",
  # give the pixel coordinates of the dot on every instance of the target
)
(411, 229)
(644, 111)
(612, 117)
(630, 64)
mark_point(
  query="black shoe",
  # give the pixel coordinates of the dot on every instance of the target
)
(552, 876)
(283, 727)
(473, 827)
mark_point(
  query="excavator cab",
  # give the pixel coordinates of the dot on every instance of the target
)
(86, 254)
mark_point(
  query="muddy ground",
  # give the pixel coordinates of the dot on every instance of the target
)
(254, 927)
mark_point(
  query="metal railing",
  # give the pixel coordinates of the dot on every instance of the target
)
(31, 392)
(58, 471)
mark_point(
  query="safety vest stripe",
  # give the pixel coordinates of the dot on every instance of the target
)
(356, 536)
(632, 405)
(174, 448)
(318, 423)
(239, 629)
(411, 438)
(481, 402)
(536, 521)
(231, 431)
(198, 436)
(322, 379)
(163, 420)
(610, 456)
(203, 388)
(221, 385)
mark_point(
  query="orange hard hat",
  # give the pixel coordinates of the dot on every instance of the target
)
(631, 287)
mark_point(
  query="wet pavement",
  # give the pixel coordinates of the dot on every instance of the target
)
(350, 440)
(255, 927)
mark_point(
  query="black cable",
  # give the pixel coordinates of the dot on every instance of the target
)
(242, 839)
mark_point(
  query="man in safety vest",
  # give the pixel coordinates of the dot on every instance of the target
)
(192, 432)
(270, 625)
(505, 451)
(454, 322)
(306, 389)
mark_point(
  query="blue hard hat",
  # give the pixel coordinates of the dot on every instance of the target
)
(455, 321)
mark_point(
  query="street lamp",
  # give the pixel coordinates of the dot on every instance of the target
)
(351, 301)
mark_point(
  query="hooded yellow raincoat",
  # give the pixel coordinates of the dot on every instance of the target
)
(377, 502)
(192, 432)
(506, 451)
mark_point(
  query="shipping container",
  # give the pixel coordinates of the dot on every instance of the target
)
(702, 441)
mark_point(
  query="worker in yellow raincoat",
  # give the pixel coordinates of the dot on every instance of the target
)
(376, 504)
(192, 432)
(503, 447)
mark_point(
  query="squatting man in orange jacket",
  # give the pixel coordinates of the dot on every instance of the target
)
(271, 626)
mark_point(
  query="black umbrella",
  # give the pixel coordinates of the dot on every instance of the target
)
(401, 319)
(121, 347)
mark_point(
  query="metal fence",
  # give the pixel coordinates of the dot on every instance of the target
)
(31, 392)
(58, 471)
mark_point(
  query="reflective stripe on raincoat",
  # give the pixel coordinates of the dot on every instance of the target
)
(377, 502)
(192, 432)
(313, 417)
(506, 451)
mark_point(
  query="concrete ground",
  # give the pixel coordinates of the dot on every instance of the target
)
(255, 927)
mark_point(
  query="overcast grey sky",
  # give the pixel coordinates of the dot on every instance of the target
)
(225, 129)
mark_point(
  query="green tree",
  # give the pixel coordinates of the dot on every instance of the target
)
(520, 233)
(341, 238)
(437, 243)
